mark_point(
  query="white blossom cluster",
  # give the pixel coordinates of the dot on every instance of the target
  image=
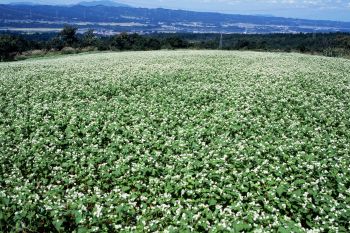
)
(175, 141)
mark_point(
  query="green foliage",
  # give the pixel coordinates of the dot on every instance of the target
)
(126, 41)
(55, 43)
(178, 141)
(175, 43)
(89, 39)
(68, 35)
(10, 46)
(331, 44)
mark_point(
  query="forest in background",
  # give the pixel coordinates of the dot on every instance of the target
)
(16, 46)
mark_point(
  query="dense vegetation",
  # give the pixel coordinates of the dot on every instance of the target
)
(178, 141)
(68, 41)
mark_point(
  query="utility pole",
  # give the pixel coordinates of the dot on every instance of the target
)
(220, 43)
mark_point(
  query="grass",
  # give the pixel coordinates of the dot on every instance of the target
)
(175, 141)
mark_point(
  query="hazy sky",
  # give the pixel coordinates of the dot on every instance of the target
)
(309, 9)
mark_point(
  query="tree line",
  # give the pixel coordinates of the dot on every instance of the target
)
(69, 41)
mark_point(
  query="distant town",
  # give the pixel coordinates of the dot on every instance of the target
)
(110, 20)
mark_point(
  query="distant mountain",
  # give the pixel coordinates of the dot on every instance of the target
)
(113, 19)
(102, 3)
(23, 3)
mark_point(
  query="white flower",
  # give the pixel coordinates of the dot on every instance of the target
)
(98, 211)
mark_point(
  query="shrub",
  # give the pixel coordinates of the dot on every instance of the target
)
(68, 50)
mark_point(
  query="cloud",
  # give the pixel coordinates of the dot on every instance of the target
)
(287, 3)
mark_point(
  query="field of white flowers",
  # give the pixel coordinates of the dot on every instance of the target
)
(175, 141)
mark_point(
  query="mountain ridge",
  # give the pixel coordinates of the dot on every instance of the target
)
(102, 3)
(152, 20)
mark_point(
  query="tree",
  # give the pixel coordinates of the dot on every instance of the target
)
(302, 48)
(55, 43)
(175, 43)
(68, 35)
(6, 48)
(10, 46)
(89, 39)
(153, 44)
(242, 44)
(121, 42)
(124, 41)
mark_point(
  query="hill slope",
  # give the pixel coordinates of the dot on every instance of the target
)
(175, 140)
(155, 20)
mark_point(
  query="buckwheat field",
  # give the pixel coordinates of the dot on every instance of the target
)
(175, 141)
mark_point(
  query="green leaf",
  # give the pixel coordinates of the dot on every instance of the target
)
(83, 230)
(212, 202)
(58, 224)
(280, 190)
